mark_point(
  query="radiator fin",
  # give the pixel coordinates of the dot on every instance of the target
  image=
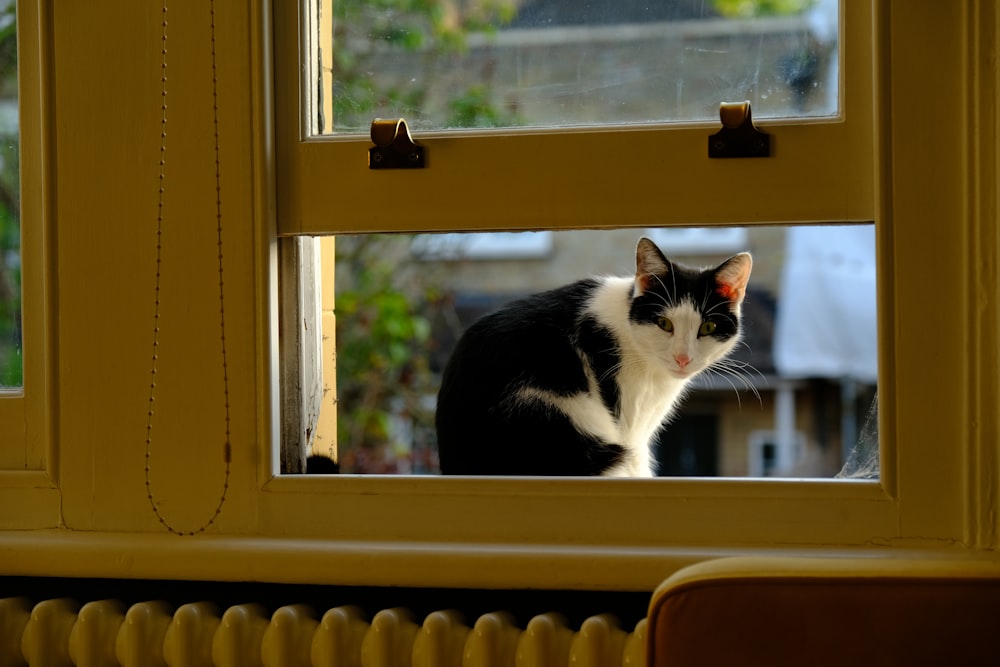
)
(287, 639)
(46, 636)
(141, 637)
(93, 636)
(188, 641)
(545, 638)
(241, 629)
(104, 633)
(14, 616)
(441, 640)
(339, 637)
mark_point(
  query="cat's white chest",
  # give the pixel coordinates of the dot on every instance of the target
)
(646, 403)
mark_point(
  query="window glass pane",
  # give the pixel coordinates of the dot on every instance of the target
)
(793, 401)
(10, 233)
(544, 63)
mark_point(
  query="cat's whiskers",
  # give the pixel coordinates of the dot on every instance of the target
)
(744, 366)
(612, 371)
(740, 364)
(732, 369)
(736, 389)
(628, 362)
(747, 365)
(714, 372)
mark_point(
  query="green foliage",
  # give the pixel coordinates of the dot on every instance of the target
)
(11, 367)
(382, 369)
(754, 8)
(387, 53)
(475, 109)
(10, 276)
(10, 214)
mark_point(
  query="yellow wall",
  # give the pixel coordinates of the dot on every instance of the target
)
(87, 512)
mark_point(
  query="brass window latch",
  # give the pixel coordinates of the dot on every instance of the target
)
(739, 137)
(394, 147)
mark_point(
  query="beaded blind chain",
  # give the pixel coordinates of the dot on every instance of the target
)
(227, 447)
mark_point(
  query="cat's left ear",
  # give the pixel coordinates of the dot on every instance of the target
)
(649, 262)
(732, 277)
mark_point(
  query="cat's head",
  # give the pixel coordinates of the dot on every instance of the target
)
(686, 318)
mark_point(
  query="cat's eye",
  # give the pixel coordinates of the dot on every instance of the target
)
(665, 324)
(707, 328)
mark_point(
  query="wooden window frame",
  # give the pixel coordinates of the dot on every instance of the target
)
(933, 193)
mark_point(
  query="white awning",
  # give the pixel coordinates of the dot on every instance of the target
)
(825, 324)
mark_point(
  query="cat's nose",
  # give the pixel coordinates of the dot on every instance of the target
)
(682, 360)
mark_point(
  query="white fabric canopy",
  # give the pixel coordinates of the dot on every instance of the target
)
(826, 320)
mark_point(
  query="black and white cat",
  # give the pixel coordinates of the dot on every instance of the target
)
(579, 379)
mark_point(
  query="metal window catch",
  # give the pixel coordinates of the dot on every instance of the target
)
(394, 147)
(738, 136)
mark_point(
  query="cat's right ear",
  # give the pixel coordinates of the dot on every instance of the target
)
(649, 262)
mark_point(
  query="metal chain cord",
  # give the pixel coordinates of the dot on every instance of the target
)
(227, 447)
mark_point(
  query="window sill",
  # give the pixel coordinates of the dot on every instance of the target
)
(64, 553)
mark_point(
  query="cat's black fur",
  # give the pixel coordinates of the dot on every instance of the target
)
(567, 344)
(531, 342)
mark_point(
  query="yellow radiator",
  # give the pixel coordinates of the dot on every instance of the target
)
(60, 632)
